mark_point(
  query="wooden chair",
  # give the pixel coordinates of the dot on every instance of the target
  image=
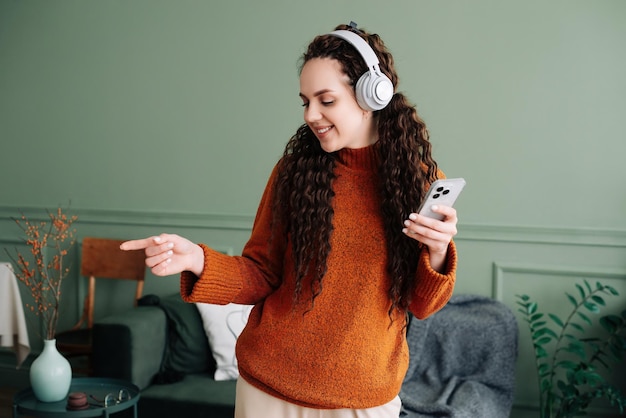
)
(101, 259)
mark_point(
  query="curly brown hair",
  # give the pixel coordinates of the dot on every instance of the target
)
(303, 190)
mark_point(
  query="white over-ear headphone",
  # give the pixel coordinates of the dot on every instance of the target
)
(374, 89)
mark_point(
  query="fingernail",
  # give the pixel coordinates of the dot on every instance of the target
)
(407, 223)
(412, 216)
(170, 245)
(169, 253)
(157, 239)
(435, 207)
(405, 230)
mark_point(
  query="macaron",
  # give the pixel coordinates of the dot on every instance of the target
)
(77, 400)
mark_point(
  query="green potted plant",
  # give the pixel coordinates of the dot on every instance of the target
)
(569, 362)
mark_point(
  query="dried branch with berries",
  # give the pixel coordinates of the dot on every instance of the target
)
(43, 269)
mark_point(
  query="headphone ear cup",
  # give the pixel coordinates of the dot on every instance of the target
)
(373, 91)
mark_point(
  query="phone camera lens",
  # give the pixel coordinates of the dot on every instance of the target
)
(436, 196)
(440, 189)
(446, 192)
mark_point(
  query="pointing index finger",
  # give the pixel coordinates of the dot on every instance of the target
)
(139, 244)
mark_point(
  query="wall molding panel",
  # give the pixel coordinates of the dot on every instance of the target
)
(542, 235)
(501, 269)
(140, 218)
(467, 232)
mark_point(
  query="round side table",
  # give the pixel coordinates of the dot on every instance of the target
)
(96, 389)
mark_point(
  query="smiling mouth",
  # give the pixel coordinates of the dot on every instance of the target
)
(322, 131)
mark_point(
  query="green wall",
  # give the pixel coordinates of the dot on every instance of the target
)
(160, 115)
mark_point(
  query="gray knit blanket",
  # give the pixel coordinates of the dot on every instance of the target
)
(462, 361)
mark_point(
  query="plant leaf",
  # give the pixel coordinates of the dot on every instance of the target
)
(600, 359)
(539, 324)
(535, 317)
(540, 352)
(543, 369)
(584, 317)
(551, 333)
(599, 300)
(543, 331)
(617, 350)
(589, 377)
(531, 308)
(565, 364)
(542, 340)
(556, 319)
(572, 299)
(575, 347)
(610, 323)
(591, 307)
(581, 291)
(565, 388)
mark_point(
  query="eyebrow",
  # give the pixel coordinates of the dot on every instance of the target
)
(316, 94)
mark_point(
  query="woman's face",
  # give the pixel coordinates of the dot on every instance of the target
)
(331, 109)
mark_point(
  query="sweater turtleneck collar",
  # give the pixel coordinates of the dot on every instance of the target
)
(364, 159)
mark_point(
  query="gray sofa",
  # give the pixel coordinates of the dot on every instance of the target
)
(462, 360)
(161, 347)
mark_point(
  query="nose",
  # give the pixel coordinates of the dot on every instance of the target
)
(312, 113)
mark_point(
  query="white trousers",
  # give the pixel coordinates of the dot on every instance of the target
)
(253, 403)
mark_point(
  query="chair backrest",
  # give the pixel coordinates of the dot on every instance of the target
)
(103, 259)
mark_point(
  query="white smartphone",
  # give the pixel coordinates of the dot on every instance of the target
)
(441, 192)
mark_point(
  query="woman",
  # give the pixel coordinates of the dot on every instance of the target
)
(337, 256)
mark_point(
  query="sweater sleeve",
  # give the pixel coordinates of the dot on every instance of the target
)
(245, 279)
(433, 289)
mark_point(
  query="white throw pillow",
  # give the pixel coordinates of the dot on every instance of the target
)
(222, 325)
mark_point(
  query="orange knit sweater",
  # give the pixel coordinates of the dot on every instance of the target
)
(345, 352)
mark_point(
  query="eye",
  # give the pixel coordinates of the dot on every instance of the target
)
(327, 102)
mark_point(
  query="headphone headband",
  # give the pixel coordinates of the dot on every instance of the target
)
(370, 58)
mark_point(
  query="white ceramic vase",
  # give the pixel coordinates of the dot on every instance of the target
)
(50, 374)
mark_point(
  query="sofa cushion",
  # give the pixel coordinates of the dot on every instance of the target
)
(222, 325)
(187, 349)
(197, 395)
(130, 345)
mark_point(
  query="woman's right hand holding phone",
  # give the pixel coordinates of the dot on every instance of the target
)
(168, 254)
